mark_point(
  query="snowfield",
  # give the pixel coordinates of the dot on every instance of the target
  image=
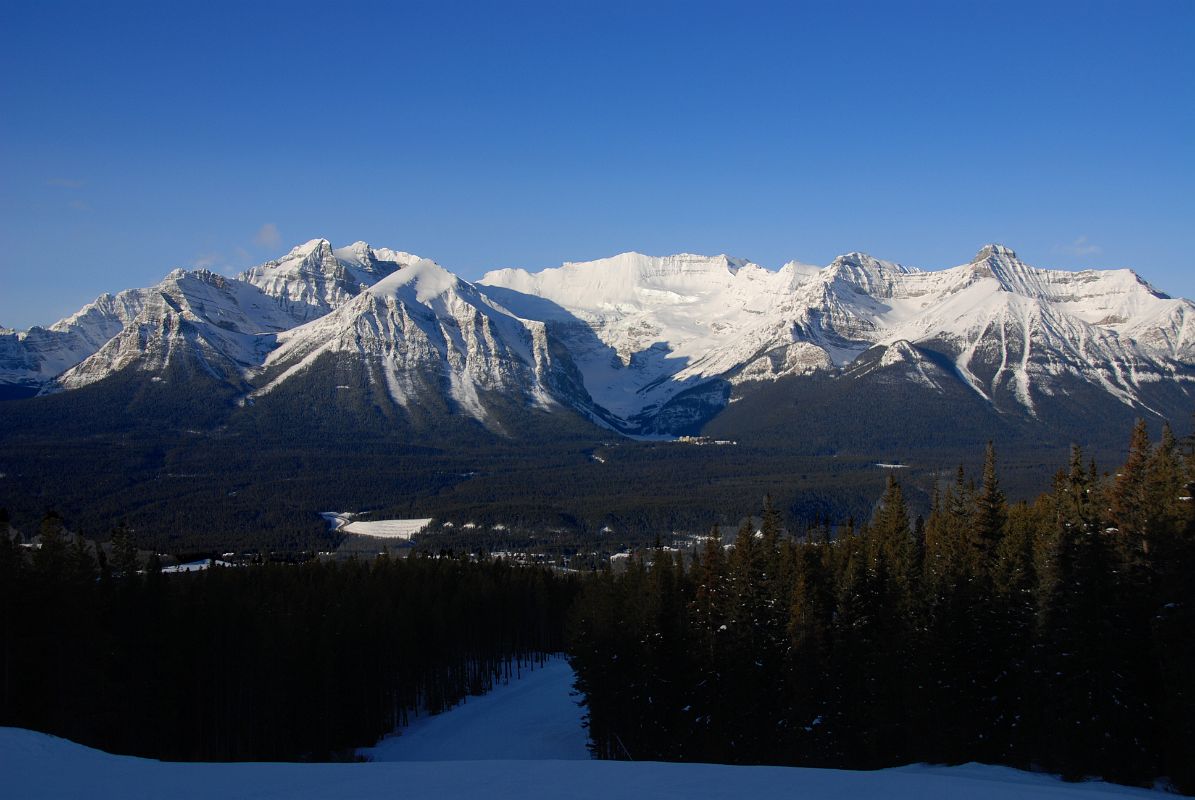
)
(534, 717)
(379, 529)
(388, 528)
(522, 740)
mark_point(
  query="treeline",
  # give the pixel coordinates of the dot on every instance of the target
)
(260, 663)
(1058, 634)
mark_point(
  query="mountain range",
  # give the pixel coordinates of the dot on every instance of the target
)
(644, 346)
(211, 412)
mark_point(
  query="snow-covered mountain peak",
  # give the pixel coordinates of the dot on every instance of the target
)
(1000, 262)
(856, 260)
(899, 352)
(1117, 300)
(378, 261)
(630, 282)
(107, 313)
(314, 279)
(425, 336)
(200, 274)
(311, 247)
(312, 257)
(216, 324)
(36, 356)
(632, 267)
(358, 251)
(425, 277)
(862, 274)
(994, 250)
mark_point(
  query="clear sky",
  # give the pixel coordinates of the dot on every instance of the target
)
(139, 137)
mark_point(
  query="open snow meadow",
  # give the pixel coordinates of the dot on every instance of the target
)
(379, 529)
(522, 740)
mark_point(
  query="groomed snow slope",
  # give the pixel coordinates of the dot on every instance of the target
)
(532, 717)
(503, 724)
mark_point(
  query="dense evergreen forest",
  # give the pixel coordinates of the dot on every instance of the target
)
(1058, 634)
(262, 663)
(189, 470)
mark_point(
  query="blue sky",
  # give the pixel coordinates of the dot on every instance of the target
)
(139, 137)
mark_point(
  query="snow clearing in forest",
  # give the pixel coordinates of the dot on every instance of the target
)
(344, 522)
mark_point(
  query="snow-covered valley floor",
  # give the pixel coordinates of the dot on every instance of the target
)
(523, 740)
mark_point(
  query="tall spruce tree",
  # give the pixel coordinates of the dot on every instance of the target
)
(1129, 498)
(991, 510)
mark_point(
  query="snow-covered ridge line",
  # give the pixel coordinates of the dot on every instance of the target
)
(644, 329)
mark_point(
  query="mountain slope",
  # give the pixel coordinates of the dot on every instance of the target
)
(33, 357)
(219, 324)
(660, 342)
(314, 279)
(307, 283)
(427, 336)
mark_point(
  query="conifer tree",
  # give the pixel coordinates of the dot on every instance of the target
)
(892, 550)
(49, 558)
(1166, 485)
(1130, 496)
(124, 552)
(991, 510)
(710, 600)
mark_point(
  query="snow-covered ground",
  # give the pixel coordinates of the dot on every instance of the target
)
(381, 528)
(475, 750)
(532, 717)
(387, 528)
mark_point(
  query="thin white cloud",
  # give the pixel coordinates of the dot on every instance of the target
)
(268, 236)
(1080, 248)
(223, 262)
(65, 183)
(212, 261)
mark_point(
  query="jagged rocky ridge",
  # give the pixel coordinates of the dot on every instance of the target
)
(642, 345)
